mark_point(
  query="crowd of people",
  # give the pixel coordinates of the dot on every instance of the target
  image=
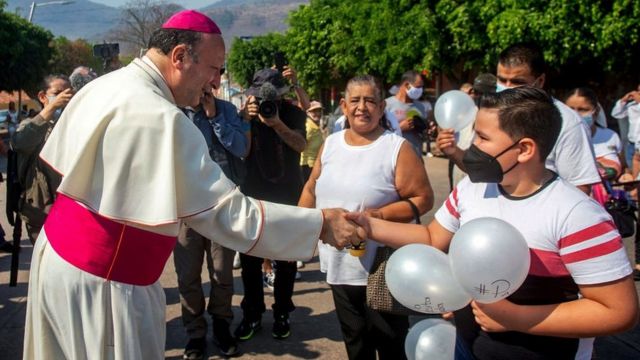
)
(116, 179)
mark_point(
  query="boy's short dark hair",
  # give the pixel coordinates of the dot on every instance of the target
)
(524, 54)
(529, 112)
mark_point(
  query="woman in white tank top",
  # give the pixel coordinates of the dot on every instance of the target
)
(365, 167)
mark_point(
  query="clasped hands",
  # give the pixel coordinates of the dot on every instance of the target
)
(342, 229)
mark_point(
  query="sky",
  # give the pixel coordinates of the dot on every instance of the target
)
(189, 4)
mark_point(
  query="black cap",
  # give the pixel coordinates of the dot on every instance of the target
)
(271, 76)
(485, 83)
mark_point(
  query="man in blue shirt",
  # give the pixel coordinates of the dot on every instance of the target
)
(227, 137)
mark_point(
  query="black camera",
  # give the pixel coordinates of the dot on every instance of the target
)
(419, 125)
(267, 108)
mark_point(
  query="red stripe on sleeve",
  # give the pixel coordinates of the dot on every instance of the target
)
(594, 251)
(586, 234)
(454, 194)
(451, 209)
(547, 263)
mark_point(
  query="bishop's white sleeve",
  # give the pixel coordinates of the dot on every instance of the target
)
(260, 228)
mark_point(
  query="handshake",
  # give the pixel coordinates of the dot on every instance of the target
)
(341, 229)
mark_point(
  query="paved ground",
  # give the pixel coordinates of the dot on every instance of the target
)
(316, 333)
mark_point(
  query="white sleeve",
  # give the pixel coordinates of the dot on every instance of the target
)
(615, 141)
(393, 121)
(619, 110)
(591, 247)
(448, 215)
(260, 228)
(574, 158)
(339, 124)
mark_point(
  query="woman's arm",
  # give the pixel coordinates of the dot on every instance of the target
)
(412, 183)
(308, 196)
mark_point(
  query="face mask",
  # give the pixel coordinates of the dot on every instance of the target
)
(414, 93)
(58, 112)
(588, 119)
(484, 168)
(500, 87)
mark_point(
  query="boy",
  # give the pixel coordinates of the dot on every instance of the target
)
(578, 285)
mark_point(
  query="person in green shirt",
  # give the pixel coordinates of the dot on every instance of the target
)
(314, 138)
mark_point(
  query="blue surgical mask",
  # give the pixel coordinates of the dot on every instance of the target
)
(588, 119)
(414, 93)
(500, 87)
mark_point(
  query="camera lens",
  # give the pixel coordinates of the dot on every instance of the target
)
(268, 108)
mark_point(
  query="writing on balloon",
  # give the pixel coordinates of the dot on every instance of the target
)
(430, 308)
(499, 288)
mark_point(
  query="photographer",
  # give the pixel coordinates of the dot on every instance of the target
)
(273, 174)
(38, 181)
(408, 110)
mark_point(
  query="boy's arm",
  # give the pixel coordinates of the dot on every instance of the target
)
(396, 235)
(604, 309)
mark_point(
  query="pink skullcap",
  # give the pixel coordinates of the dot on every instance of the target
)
(193, 21)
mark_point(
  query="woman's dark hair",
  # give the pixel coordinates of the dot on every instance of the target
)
(166, 39)
(586, 93)
(591, 97)
(367, 80)
(529, 112)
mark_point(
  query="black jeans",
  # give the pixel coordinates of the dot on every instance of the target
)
(366, 331)
(253, 301)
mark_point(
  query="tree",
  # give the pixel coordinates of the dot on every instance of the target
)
(25, 53)
(140, 18)
(250, 55)
(70, 54)
(584, 41)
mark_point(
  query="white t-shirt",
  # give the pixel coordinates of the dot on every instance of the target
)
(353, 177)
(572, 156)
(572, 240)
(632, 111)
(606, 144)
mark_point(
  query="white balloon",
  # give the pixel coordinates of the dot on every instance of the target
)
(431, 339)
(419, 277)
(455, 110)
(490, 259)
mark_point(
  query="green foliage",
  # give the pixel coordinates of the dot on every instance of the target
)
(248, 56)
(70, 54)
(329, 41)
(25, 53)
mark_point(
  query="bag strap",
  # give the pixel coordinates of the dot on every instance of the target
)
(416, 212)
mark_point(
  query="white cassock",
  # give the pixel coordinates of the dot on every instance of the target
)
(134, 167)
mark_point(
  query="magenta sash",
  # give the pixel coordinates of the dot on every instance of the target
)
(106, 248)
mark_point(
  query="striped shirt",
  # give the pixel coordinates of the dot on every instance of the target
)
(572, 240)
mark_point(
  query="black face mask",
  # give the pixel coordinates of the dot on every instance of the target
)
(484, 168)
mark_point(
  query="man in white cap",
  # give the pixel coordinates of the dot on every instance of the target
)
(134, 168)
